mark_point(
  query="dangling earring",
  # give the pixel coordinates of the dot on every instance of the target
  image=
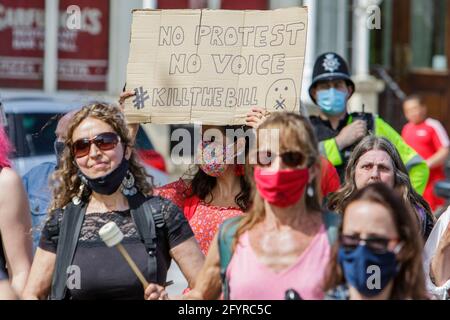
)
(83, 184)
(310, 191)
(84, 181)
(128, 187)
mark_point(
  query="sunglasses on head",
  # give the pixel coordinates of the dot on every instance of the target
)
(290, 158)
(375, 244)
(104, 141)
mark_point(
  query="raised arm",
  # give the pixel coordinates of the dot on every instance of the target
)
(15, 228)
(133, 128)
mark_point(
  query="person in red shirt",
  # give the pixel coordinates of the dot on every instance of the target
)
(429, 138)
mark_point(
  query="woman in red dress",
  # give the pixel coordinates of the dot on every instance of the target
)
(219, 189)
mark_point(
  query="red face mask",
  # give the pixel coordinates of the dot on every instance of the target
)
(281, 188)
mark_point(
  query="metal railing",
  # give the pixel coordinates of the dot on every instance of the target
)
(390, 83)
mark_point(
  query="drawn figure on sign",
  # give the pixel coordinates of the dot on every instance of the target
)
(280, 94)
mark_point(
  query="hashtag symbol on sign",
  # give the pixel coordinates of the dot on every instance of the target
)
(140, 97)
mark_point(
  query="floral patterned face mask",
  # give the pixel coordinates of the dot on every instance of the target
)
(212, 157)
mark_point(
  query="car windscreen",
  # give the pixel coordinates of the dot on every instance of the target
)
(32, 134)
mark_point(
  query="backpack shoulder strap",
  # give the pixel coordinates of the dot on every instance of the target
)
(67, 240)
(147, 215)
(227, 230)
(332, 222)
(156, 210)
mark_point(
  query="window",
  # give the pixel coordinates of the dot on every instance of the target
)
(34, 134)
(428, 34)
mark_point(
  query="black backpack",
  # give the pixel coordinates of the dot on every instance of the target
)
(147, 215)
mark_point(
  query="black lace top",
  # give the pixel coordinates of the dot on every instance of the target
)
(100, 272)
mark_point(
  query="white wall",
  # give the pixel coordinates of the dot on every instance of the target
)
(119, 30)
(332, 26)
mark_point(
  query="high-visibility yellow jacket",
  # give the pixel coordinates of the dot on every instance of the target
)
(416, 165)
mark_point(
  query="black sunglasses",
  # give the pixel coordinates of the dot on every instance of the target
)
(104, 141)
(291, 159)
(375, 244)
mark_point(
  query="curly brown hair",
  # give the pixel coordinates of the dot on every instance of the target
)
(66, 181)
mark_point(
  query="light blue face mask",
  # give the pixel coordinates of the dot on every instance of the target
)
(331, 101)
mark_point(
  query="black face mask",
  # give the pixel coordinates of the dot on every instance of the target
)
(59, 148)
(107, 184)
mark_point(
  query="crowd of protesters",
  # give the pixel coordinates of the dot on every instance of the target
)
(334, 211)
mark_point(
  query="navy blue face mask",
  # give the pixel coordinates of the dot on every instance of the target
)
(109, 183)
(367, 271)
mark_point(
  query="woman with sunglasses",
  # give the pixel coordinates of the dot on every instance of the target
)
(99, 180)
(378, 255)
(217, 187)
(373, 160)
(281, 243)
(15, 221)
(220, 189)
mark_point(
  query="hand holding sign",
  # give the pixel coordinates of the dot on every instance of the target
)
(133, 128)
(256, 117)
(214, 66)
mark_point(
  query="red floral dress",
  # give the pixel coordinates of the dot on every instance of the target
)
(206, 219)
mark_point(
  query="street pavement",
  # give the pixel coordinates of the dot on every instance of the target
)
(180, 282)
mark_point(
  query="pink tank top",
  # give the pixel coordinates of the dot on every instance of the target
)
(249, 279)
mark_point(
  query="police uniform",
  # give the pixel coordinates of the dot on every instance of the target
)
(330, 66)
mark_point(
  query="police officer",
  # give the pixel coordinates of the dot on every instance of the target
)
(338, 131)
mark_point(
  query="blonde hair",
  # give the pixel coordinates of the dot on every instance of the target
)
(296, 133)
(66, 180)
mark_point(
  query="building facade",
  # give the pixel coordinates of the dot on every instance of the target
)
(393, 47)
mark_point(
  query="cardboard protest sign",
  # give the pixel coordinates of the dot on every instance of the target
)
(213, 66)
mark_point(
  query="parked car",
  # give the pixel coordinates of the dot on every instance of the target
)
(31, 123)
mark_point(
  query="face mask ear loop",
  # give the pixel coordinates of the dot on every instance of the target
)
(398, 248)
(396, 251)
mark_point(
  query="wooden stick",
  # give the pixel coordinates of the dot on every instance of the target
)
(168, 283)
(133, 266)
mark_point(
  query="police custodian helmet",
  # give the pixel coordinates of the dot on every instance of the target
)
(330, 66)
